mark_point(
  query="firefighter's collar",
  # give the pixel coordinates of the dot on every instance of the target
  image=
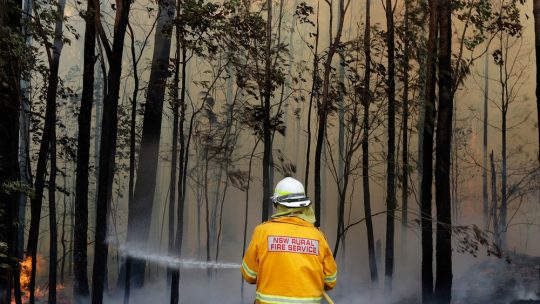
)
(291, 219)
(305, 213)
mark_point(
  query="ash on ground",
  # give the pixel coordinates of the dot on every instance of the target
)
(499, 281)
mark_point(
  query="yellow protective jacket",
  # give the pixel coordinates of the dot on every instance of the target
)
(290, 261)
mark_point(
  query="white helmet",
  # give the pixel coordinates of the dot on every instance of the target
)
(290, 193)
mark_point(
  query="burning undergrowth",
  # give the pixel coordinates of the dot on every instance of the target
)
(41, 290)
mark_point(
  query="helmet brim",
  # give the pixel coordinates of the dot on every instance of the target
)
(297, 204)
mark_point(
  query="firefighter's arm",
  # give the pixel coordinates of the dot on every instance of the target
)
(329, 268)
(250, 262)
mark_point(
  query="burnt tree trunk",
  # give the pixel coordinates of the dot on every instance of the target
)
(427, 160)
(183, 161)
(485, 204)
(50, 120)
(53, 244)
(390, 158)
(139, 212)
(312, 96)
(405, 121)
(323, 111)
(10, 103)
(366, 100)
(80, 246)
(267, 133)
(443, 252)
(108, 148)
(494, 204)
(53, 247)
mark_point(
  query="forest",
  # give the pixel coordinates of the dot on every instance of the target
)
(140, 143)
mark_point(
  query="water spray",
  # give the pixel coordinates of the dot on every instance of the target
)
(174, 261)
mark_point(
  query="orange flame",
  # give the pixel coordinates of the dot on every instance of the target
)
(40, 292)
(24, 279)
(26, 270)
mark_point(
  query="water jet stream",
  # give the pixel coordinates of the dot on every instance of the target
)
(173, 261)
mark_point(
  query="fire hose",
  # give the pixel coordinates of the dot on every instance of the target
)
(327, 298)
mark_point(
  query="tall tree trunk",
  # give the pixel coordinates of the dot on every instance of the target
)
(267, 138)
(427, 161)
(390, 177)
(505, 100)
(443, 284)
(421, 53)
(53, 245)
(494, 205)
(366, 99)
(323, 110)
(183, 159)
(80, 246)
(50, 120)
(63, 239)
(536, 13)
(139, 211)
(341, 143)
(312, 96)
(405, 121)
(504, 195)
(174, 153)
(10, 102)
(246, 210)
(172, 199)
(485, 205)
(108, 149)
(124, 279)
(24, 143)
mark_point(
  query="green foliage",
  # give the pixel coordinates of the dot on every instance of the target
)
(303, 12)
(481, 20)
(253, 115)
(202, 25)
(13, 187)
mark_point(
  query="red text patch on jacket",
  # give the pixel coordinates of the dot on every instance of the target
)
(293, 244)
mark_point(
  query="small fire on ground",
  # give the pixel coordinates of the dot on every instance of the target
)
(40, 292)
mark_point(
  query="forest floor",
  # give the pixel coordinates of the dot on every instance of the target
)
(498, 281)
(493, 280)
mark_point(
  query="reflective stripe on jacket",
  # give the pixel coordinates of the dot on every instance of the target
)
(290, 261)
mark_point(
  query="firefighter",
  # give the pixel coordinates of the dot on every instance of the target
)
(288, 257)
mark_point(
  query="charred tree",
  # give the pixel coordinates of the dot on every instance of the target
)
(427, 160)
(10, 101)
(314, 94)
(366, 100)
(176, 239)
(494, 204)
(324, 108)
(108, 143)
(138, 213)
(390, 158)
(184, 142)
(80, 246)
(405, 122)
(53, 55)
(443, 251)
(53, 244)
(267, 133)
(485, 205)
